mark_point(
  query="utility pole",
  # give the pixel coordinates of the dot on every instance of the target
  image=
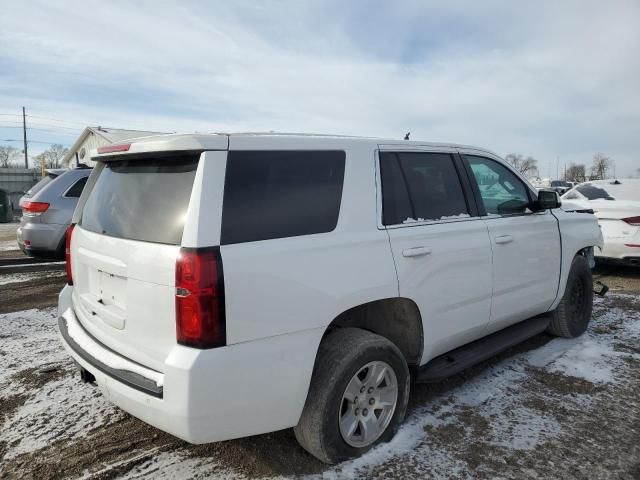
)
(24, 136)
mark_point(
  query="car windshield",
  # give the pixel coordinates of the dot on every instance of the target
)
(559, 183)
(593, 192)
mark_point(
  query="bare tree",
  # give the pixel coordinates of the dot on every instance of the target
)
(52, 156)
(576, 172)
(7, 154)
(601, 164)
(527, 166)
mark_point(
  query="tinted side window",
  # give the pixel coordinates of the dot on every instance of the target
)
(420, 187)
(77, 188)
(501, 190)
(277, 194)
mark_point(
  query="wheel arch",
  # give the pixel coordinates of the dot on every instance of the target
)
(397, 319)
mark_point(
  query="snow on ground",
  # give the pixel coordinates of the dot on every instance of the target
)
(31, 354)
(498, 408)
(8, 245)
(26, 277)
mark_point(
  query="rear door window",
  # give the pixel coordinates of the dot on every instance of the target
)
(277, 194)
(419, 187)
(143, 199)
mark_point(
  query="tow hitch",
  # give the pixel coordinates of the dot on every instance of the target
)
(86, 376)
(600, 288)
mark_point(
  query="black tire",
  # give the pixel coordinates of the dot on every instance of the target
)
(573, 314)
(341, 355)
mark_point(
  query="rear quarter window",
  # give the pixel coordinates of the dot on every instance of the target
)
(143, 199)
(41, 184)
(277, 194)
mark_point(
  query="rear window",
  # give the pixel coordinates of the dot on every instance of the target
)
(143, 199)
(41, 184)
(593, 193)
(277, 194)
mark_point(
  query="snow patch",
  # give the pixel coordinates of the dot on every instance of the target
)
(26, 277)
(57, 409)
(445, 217)
(8, 245)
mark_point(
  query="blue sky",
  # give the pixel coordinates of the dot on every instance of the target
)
(547, 79)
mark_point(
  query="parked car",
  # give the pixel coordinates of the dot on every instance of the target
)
(221, 286)
(616, 203)
(46, 212)
(560, 186)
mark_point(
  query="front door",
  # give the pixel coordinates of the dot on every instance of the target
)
(526, 245)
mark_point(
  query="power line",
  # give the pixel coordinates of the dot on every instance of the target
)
(45, 130)
(36, 141)
(58, 120)
(37, 124)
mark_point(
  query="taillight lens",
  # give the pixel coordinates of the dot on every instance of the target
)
(34, 208)
(67, 254)
(200, 313)
(635, 221)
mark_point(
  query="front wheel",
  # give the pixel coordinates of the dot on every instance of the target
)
(573, 314)
(357, 397)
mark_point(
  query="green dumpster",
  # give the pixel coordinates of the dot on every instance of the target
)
(6, 208)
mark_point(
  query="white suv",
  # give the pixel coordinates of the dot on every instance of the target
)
(221, 286)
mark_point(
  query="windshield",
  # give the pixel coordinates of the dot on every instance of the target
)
(559, 183)
(144, 199)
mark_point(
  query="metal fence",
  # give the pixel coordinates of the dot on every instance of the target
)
(16, 181)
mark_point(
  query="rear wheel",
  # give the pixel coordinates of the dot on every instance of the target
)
(357, 397)
(573, 314)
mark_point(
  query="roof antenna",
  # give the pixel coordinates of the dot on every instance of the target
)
(406, 137)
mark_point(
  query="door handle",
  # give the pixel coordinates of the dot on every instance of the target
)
(504, 239)
(416, 251)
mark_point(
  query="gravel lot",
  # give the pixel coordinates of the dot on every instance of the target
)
(549, 408)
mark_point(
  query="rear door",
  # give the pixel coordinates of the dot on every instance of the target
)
(124, 251)
(440, 245)
(526, 245)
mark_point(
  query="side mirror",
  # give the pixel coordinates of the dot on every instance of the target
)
(547, 199)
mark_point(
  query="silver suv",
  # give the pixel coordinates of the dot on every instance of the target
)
(46, 212)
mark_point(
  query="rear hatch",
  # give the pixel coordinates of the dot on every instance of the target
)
(124, 251)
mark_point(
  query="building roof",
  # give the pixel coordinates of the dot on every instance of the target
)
(111, 135)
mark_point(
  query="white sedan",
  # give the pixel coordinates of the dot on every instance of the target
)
(616, 203)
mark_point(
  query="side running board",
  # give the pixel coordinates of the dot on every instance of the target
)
(468, 355)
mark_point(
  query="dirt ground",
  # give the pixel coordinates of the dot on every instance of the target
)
(549, 408)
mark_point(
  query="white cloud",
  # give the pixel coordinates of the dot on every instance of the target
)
(547, 79)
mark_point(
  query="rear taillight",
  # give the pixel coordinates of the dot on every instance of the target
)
(200, 313)
(635, 221)
(67, 253)
(33, 208)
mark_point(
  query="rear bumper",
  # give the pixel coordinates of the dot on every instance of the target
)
(123, 375)
(619, 249)
(40, 237)
(207, 395)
